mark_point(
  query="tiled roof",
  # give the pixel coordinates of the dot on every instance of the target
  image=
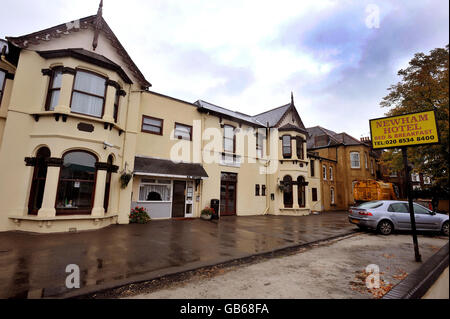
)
(166, 167)
(273, 116)
(333, 138)
(237, 115)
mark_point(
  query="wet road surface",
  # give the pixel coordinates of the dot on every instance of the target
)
(34, 266)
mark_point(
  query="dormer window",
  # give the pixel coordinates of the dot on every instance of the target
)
(2, 84)
(54, 89)
(88, 96)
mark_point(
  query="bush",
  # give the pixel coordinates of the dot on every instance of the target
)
(139, 215)
(208, 211)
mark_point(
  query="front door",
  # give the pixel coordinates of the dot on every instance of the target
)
(228, 192)
(179, 199)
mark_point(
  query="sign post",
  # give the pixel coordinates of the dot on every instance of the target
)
(414, 129)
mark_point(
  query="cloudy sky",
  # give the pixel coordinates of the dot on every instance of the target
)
(336, 56)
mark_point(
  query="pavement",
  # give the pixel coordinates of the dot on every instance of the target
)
(34, 266)
(329, 270)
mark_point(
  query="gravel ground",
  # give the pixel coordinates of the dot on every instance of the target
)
(331, 270)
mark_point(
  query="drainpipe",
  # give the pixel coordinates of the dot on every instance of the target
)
(266, 211)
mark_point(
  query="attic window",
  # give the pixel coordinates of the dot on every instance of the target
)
(88, 96)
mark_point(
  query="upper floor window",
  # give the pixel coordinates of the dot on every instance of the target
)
(54, 89)
(2, 84)
(116, 107)
(367, 163)
(264, 190)
(372, 168)
(287, 146)
(259, 144)
(324, 173)
(229, 139)
(88, 96)
(257, 190)
(331, 173)
(355, 160)
(300, 148)
(183, 132)
(152, 125)
(313, 169)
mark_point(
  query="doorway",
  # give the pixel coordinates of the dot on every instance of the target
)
(179, 199)
(228, 194)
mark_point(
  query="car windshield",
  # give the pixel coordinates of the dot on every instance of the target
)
(375, 204)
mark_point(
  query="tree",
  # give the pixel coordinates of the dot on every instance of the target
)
(424, 85)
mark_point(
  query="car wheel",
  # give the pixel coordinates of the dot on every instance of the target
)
(445, 229)
(385, 227)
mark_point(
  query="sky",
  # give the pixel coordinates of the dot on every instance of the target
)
(338, 57)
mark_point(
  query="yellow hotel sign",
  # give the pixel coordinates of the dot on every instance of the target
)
(413, 129)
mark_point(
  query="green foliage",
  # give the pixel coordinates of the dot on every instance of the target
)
(208, 211)
(139, 215)
(424, 86)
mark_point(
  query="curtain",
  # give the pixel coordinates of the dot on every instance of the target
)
(87, 104)
(163, 190)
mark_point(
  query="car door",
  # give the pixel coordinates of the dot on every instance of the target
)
(400, 216)
(424, 218)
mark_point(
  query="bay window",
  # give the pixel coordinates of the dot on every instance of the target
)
(355, 160)
(76, 184)
(300, 148)
(287, 146)
(54, 89)
(88, 95)
(38, 181)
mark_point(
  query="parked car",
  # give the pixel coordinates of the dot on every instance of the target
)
(387, 216)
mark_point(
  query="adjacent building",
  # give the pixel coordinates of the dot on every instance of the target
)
(83, 140)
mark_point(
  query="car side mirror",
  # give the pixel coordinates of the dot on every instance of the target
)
(432, 213)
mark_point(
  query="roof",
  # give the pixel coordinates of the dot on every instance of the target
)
(92, 22)
(274, 116)
(291, 127)
(333, 138)
(87, 56)
(149, 166)
(227, 113)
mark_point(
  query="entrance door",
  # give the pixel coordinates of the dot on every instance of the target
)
(179, 199)
(228, 193)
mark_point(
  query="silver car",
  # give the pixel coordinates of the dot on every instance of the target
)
(387, 216)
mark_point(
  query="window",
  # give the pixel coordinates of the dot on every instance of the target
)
(183, 132)
(229, 139)
(355, 160)
(259, 144)
(88, 96)
(54, 89)
(331, 173)
(108, 184)
(155, 191)
(2, 84)
(152, 125)
(313, 169)
(287, 146)
(419, 209)
(372, 168)
(288, 196)
(257, 190)
(38, 182)
(76, 184)
(314, 195)
(398, 208)
(324, 168)
(301, 191)
(300, 148)
(365, 159)
(116, 107)
(333, 200)
(264, 190)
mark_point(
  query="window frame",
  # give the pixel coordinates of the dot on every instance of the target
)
(288, 202)
(359, 160)
(314, 195)
(87, 93)
(260, 144)
(257, 190)
(157, 183)
(324, 172)
(3, 86)
(191, 129)
(63, 212)
(300, 146)
(301, 192)
(285, 154)
(116, 107)
(40, 164)
(264, 190)
(152, 118)
(50, 88)
(332, 196)
(313, 168)
(228, 138)
(331, 176)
